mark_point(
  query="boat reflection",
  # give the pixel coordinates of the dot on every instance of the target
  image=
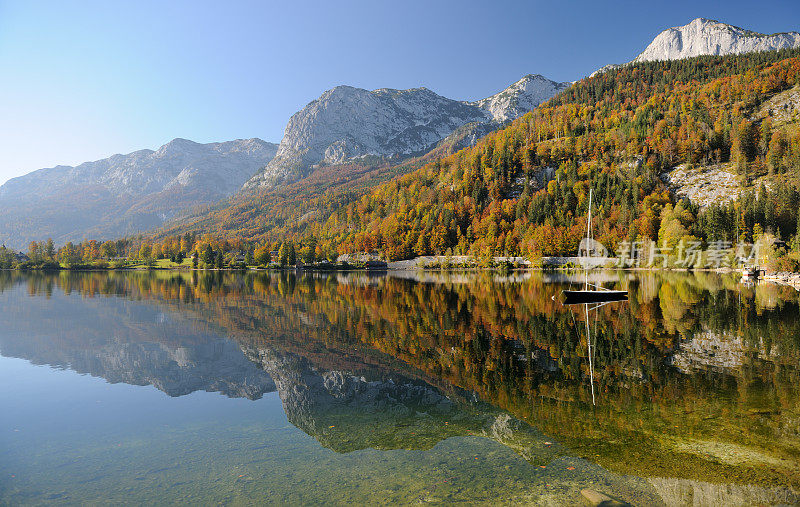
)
(588, 308)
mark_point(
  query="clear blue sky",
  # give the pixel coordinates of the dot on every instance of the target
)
(83, 80)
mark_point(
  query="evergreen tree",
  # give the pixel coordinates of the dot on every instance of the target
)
(208, 255)
(49, 250)
(283, 254)
(309, 255)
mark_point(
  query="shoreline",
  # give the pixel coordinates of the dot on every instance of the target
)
(427, 264)
(787, 277)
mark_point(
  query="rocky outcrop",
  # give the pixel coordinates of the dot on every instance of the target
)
(704, 185)
(781, 108)
(124, 194)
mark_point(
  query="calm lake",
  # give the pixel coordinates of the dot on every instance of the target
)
(401, 388)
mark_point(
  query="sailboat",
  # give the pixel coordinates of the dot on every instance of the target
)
(586, 251)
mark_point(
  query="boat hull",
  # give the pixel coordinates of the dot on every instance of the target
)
(577, 297)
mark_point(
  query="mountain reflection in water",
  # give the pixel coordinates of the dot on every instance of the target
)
(695, 378)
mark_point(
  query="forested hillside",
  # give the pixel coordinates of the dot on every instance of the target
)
(523, 190)
(615, 133)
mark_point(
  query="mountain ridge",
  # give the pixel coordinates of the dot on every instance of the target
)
(125, 193)
(346, 123)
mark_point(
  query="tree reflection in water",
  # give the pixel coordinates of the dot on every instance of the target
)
(696, 376)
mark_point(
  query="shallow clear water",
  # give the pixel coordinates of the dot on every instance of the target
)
(209, 388)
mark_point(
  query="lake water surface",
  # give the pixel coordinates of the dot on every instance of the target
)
(348, 388)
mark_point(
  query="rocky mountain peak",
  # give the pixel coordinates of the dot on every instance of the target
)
(180, 143)
(520, 97)
(347, 123)
(704, 36)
